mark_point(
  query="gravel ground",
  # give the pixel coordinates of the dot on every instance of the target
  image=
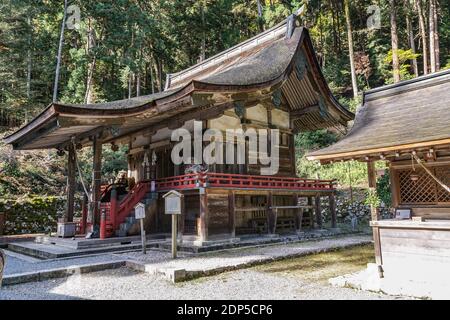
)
(230, 258)
(17, 263)
(123, 283)
(262, 282)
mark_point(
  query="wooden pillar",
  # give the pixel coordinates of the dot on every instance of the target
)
(373, 186)
(318, 211)
(372, 177)
(96, 179)
(298, 215)
(84, 213)
(395, 189)
(181, 220)
(71, 168)
(271, 214)
(203, 221)
(231, 213)
(114, 207)
(2, 222)
(332, 204)
(310, 213)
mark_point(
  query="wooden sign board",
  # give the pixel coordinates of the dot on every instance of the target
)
(172, 201)
(139, 211)
(403, 214)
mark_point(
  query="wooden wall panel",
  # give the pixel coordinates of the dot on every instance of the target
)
(415, 254)
(218, 213)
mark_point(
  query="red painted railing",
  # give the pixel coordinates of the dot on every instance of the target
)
(194, 180)
(241, 181)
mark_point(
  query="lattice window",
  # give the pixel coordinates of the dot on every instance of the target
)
(443, 174)
(425, 190)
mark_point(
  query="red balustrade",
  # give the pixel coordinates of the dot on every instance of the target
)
(241, 181)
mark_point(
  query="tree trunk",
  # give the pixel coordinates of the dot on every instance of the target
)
(436, 35)
(432, 35)
(29, 61)
(423, 35)
(138, 85)
(412, 45)
(58, 60)
(394, 41)
(91, 42)
(260, 16)
(350, 48)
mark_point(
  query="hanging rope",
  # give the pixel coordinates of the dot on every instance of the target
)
(443, 185)
(89, 195)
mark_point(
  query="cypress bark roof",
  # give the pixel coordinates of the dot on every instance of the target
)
(395, 117)
(280, 59)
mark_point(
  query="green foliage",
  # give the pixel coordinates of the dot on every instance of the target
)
(384, 188)
(32, 214)
(313, 140)
(403, 56)
(372, 198)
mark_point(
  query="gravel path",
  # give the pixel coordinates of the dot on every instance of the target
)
(126, 284)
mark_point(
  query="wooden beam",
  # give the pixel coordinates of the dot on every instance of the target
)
(397, 148)
(232, 213)
(296, 114)
(70, 183)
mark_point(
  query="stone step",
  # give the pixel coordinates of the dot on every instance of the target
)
(130, 221)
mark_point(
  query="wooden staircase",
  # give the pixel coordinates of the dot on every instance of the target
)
(119, 216)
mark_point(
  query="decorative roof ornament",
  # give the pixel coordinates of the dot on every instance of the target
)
(239, 109)
(322, 108)
(276, 98)
(301, 66)
(115, 130)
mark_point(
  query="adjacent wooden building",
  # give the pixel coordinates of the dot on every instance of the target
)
(272, 81)
(407, 125)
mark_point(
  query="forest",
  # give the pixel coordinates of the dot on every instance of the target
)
(110, 50)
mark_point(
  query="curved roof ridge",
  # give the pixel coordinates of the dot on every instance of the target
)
(269, 34)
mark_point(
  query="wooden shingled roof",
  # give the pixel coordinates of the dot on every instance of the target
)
(405, 116)
(279, 62)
